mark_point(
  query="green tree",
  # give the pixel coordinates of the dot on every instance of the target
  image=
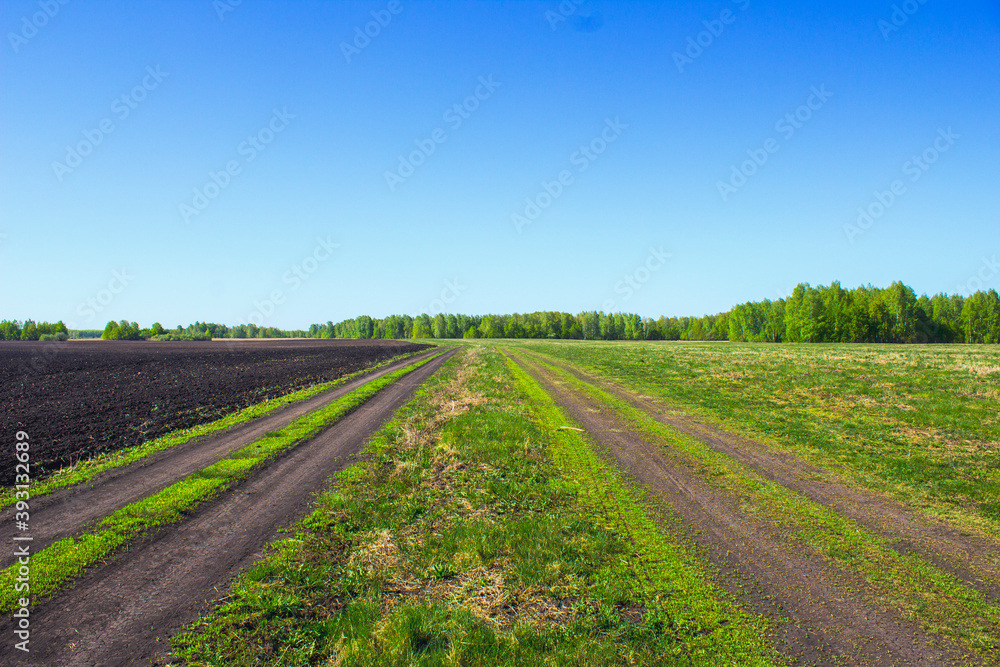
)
(10, 330)
(29, 330)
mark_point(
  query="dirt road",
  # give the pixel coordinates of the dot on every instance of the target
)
(834, 618)
(123, 611)
(68, 511)
(971, 558)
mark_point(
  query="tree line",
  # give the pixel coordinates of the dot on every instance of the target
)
(822, 314)
(197, 331)
(31, 330)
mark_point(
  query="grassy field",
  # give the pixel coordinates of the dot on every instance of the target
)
(85, 470)
(485, 527)
(478, 534)
(60, 563)
(920, 422)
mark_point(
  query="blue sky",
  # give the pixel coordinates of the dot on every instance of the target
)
(651, 113)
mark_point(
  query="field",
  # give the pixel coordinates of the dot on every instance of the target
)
(920, 422)
(86, 398)
(518, 502)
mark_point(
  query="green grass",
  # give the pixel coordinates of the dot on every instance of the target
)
(474, 534)
(916, 588)
(919, 422)
(61, 562)
(716, 626)
(86, 470)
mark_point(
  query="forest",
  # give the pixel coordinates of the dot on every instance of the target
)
(821, 314)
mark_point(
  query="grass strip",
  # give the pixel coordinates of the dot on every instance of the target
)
(918, 589)
(84, 471)
(63, 560)
(457, 541)
(916, 421)
(666, 568)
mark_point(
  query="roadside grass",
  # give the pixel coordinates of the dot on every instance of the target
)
(919, 422)
(467, 536)
(918, 589)
(86, 470)
(62, 561)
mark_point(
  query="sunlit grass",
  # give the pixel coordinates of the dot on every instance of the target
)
(86, 470)
(61, 562)
(466, 538)
(921, 422)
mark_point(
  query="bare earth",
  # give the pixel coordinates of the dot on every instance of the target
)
(68, 511)
(123, 611)
(834, 619)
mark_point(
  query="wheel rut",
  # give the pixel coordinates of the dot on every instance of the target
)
(832, 618)
(67, 512)
(123, 611)
(973, 559)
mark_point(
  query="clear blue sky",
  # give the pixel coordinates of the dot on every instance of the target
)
(198, 80)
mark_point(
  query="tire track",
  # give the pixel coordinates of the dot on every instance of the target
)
(123, 612)
(833, 617)
(67, 512)
(973, 559)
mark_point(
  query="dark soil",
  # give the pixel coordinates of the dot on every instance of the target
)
(77, 399)
(73, 509)
(123, 611)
